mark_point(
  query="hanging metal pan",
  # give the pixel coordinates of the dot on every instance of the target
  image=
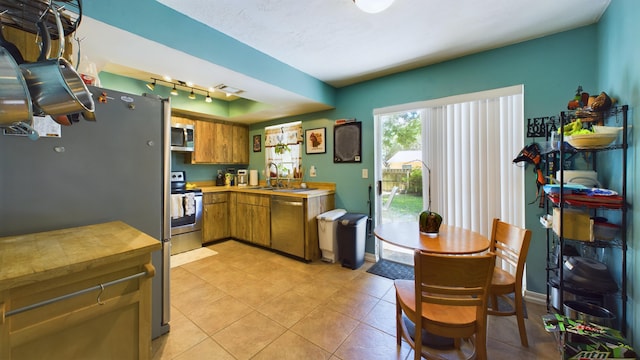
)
(15, 102)
(55, 86)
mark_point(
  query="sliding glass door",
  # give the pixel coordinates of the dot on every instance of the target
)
(399, 174)
(468, 143)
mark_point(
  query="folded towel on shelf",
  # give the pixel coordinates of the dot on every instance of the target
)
(189, 204)
(177, 206)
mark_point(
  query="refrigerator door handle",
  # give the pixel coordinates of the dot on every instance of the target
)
(166, 272)
(166, 231)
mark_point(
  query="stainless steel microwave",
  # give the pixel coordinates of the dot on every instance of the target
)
(182, 137)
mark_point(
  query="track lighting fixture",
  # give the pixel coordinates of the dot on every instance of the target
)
(177, 84)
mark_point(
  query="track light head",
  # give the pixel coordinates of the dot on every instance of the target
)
(192, 95)
(174, 91)
(208, 98)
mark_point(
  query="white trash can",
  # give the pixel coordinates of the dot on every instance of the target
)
(328, 241)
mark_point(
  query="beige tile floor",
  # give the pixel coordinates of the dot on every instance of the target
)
(249, 303)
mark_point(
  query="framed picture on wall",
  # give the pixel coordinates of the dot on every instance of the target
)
(257, 143)
(347, 143)
(316, 141)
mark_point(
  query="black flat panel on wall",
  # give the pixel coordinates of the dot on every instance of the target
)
(347, 143)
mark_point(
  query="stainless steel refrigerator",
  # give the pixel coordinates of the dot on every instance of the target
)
(114, 168)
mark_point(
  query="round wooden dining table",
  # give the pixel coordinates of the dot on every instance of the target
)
(451, 240)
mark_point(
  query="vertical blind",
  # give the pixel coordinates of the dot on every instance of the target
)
(469, 142)
(470, 147)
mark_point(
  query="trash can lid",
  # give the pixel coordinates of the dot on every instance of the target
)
(351, 219)
(331, 215)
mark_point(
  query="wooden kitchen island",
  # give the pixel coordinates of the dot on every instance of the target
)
(77, 293)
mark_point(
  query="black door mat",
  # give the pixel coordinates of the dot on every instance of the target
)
(394, 270)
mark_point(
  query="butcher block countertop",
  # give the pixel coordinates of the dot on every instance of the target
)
(42, 256)
(314, 189)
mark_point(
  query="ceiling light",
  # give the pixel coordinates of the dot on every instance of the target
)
(192, 95)
(208, 98)
(151, 86)
(373, 6)
(229, 90)
(174, 91)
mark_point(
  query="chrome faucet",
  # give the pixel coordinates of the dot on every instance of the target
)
(269, 166)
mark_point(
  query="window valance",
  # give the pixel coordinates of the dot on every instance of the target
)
(288, 135)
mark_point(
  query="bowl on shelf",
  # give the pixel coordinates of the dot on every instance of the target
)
(588, 178)
(591, 141)
(599, 129)
(605, 230)
(589, 274)
(588, 312)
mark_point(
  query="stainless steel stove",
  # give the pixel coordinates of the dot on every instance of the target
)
(186, 215)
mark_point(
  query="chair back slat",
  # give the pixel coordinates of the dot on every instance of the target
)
(453, 280)
(511, 245)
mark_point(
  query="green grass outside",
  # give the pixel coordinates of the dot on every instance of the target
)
(404, 204)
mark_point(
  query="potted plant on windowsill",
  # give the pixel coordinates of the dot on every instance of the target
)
(281, 148)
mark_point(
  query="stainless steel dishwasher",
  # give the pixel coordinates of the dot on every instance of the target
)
(287, 225)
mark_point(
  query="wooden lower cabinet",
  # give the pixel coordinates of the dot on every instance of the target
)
(250, 220)
(216, 217)
(253, 219)
(261, 226)
(114, 324)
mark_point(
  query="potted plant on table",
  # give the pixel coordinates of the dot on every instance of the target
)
(429, 221)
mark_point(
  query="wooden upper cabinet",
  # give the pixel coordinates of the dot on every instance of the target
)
(204, 143)
(181, 120)
(223, 142)
(240, 144)
(217, 142)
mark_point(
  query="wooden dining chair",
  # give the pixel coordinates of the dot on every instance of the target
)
(448, 298)
(511, 245)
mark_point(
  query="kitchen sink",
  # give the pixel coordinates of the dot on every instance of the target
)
(284, 190)
(294, 190)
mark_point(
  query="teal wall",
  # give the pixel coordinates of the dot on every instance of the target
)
(619, 75)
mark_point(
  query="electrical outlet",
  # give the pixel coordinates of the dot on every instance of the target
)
(312, 171)
(365, 173)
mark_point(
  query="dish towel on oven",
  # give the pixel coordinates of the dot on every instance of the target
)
(177, 207)
(189, 204)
